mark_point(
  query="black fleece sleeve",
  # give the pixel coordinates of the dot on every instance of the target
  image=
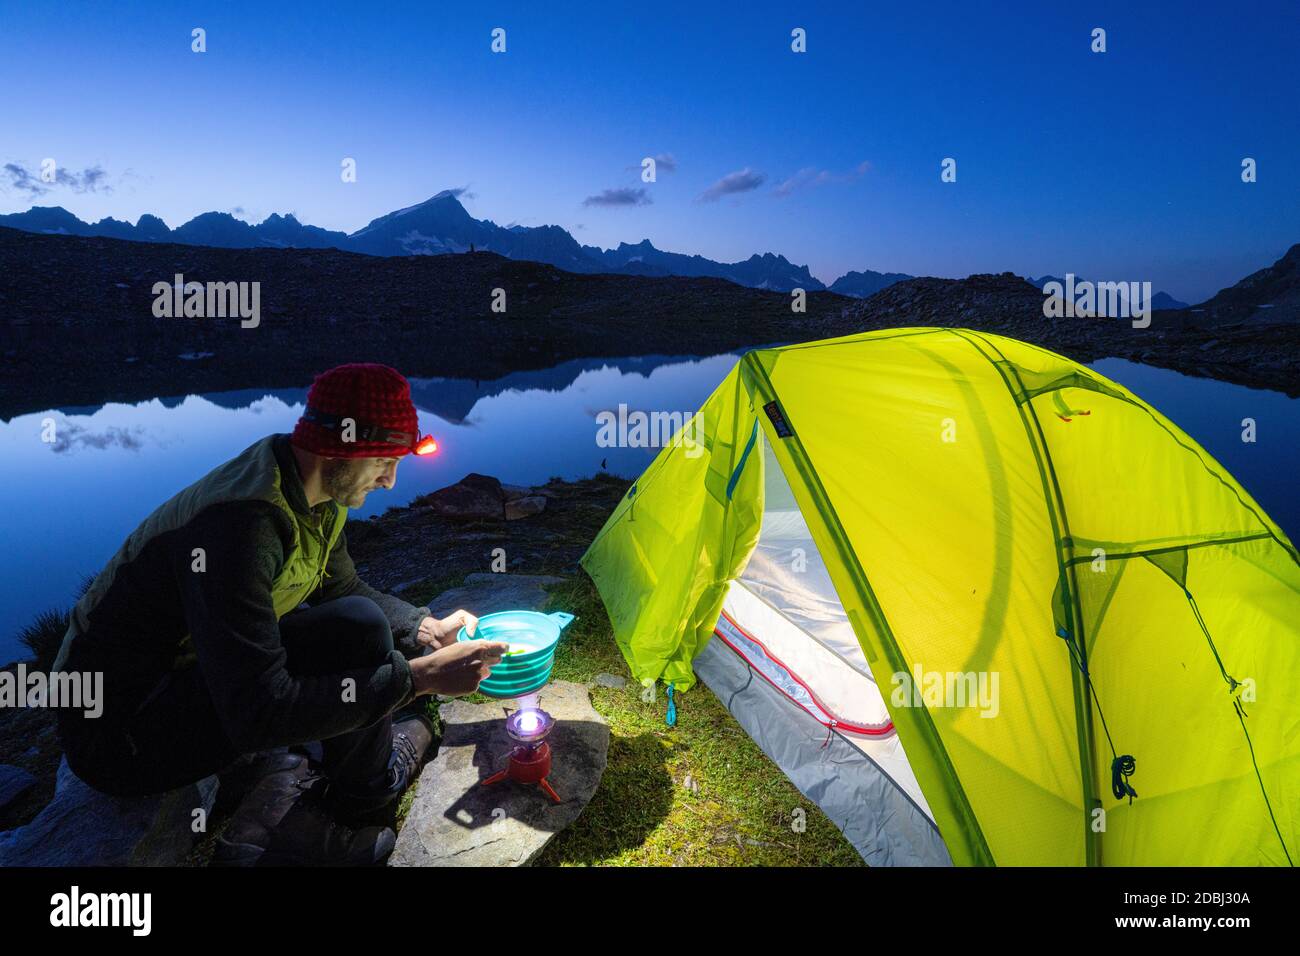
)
(236, 636)
(341, 580)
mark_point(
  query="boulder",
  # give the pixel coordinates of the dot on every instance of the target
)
(456, 821)
(83, 827)
(474, 496)
(523, 507)
(483, 593)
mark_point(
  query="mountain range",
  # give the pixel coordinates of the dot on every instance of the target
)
(437, 226)
(441, 225)
(78, 325)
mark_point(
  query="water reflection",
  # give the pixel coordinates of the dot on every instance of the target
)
(73, 500)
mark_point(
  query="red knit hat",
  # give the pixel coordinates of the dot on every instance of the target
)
(369, 404)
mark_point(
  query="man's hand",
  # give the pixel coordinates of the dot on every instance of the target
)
(455, 670)
(435, 633)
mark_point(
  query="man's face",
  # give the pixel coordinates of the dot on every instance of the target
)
(349, 480)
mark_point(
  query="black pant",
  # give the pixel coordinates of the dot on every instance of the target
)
(175, 738)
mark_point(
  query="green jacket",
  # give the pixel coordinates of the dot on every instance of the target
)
(205, 579)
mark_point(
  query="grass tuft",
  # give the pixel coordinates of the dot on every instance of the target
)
(44, 635)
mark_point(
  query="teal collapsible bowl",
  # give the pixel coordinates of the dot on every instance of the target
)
(532, 637)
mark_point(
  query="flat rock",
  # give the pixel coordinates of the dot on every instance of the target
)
(474, 496)
(523, 507)
(484, 593)
(610, 680)
(83, 827)
(455, 821)
(13, 781)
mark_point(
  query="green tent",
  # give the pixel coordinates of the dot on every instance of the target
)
(980, 603)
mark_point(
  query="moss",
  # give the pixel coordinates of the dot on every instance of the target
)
(700, 793)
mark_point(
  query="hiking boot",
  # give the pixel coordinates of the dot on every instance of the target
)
(241, 776)
(411, 738)
(284, 821)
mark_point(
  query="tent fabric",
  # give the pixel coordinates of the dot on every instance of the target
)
(806, 670)
(787, 570)
(827, 769)
(991, 514)
(683, 530)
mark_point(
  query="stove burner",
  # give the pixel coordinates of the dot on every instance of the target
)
(530, 758)
(529, 726)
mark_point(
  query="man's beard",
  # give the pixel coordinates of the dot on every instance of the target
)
(343, 483)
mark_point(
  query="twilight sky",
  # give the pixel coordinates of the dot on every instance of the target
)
(1124, 165)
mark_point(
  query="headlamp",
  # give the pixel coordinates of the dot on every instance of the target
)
(369, 432)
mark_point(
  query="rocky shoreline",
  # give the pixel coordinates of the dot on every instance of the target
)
(1254, 354)
(477, 526)
(77, 325)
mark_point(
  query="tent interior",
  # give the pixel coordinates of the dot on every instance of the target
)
(785, 661)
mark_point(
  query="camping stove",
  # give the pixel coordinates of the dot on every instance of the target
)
(530, 758)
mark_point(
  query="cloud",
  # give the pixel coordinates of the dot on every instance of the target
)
(70, 434)
(810, 177)
(21, 179)
(462, 192)
(624, 196)
(741, 181)
(92, 179)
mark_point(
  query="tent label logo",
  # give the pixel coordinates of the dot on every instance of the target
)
(779, 423)
(921, 688)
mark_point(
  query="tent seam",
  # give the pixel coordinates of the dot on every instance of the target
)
(1055, 505)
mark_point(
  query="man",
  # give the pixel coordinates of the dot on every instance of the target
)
(232, 622)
